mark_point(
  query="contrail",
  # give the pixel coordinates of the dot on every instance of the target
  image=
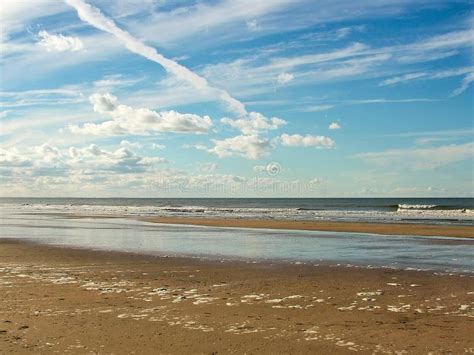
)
(96, 18)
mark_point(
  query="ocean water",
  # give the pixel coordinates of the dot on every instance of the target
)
(252, 245)
(410, 210)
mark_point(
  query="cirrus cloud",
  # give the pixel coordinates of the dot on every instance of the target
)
(422, 158)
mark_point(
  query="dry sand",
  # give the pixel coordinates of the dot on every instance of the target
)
(376, 228)
(77, 301)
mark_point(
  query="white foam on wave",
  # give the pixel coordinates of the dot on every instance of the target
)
(416, 207)
(413, 213)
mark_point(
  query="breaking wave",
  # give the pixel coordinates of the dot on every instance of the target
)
(417, 207)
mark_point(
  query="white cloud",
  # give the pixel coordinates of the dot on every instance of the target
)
(334, 125)
(59, 43)
(248, 146)
(308, 140)
(46, 160)
(158, 146)
(284, 78)
(255, 123)
(121, 160)
(130, 145)
(48, 153)
(104, 102)
(102, 172)
(422, 158)
(142, 121)
(11, 158)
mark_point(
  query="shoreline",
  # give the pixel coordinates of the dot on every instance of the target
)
(425, 229)
(327, 226)
(179, 305)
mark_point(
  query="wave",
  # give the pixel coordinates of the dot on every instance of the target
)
(417, 207)
(415, 213)
(433, 208)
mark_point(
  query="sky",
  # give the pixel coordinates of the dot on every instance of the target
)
(236, 98)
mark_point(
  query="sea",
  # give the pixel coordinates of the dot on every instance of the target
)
(46, 221)
(457, 211)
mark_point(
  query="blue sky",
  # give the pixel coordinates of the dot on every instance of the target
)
(153, 98)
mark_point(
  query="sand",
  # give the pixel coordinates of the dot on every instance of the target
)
(77, 301)
(376, 228)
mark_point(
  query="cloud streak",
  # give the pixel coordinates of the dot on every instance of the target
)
(466, 82)
(421, 158)
(94, 17)
(443, 74)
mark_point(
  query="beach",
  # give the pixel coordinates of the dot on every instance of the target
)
(80, 301)
(114, 283)
(236, 177)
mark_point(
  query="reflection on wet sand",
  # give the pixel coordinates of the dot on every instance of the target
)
(430, 253)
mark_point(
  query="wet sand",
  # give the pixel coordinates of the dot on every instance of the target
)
(78, 301)
(376, 228)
